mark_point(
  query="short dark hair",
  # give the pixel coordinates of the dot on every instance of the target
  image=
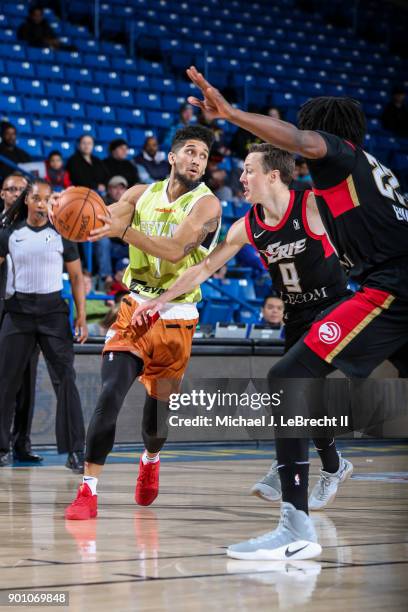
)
(275, 159)
(271, 297)
(192, 132)
(16, 174)
(343, 117)
(6, 125)
(117, 142)
(52, 153)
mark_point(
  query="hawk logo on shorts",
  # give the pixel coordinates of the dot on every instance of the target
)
(329, 332)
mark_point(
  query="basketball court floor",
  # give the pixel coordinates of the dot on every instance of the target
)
(171, 556)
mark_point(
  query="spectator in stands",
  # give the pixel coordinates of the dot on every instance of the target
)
(117, 285)
(217, 182)
(117, 164)
(36, 31)
(186, 117)
(95, 309)
(101, 328)
(85, 169)
(241, 142)
(56, 174)
(273, 112)
(9, 149)
(151, 163)
(272, 312)
(395, 114)
(219, 150)
(301, 176)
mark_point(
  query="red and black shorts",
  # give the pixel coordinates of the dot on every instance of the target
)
(360, 332)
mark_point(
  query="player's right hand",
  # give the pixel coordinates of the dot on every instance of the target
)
(214, 103)
(147, 313)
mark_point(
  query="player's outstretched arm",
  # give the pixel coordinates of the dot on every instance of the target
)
(279, 133)
(120, 215)
(194, 276)
(203, 220)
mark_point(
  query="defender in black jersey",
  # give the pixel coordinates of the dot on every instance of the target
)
(285, 227)
(366, 218)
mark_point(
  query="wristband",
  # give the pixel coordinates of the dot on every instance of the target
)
(127, 227)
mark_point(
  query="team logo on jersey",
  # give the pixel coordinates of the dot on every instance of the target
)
(296, 224)
(329, 332)
(276, 251)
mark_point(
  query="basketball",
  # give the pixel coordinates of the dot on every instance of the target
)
(77, 213)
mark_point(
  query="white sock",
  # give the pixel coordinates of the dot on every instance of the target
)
(91, 482)
(146, 459)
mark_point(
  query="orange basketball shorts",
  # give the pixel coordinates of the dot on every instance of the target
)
(164, 346)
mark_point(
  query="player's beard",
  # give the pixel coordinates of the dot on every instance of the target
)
(186, 182)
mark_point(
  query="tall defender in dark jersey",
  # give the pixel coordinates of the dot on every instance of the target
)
(366, 217)
(285, 227)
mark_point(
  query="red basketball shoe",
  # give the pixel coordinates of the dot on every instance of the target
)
(84, 506)
(147, 486)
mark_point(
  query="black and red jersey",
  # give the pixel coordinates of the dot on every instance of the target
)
(304, 267)
(363, 210)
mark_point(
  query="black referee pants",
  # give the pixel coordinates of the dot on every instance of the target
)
(31, 320)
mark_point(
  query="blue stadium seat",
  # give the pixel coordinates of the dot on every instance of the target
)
(239, 287)
(31, 87)
(148, 101)
(23, 124)
(208, 290)
(96, 61)
(88, 93)
(138, 136)
(51, 71)
(23, 69)
(7, 36)
(65, 147)
(159, 120)
(244, 315)
(13, 51)
(61, 90)
(69, 58)
(45, 55)
(33, 146)
(136, 81)
(70, 110)
(6, 85)
(48, 128)
(228, 210)
(215, 311)
(75, 129)
(134, 116)
(82, 75)
(120, 97)
(113, 79)
(15, 10)
(172, 103)
(100, 113)
(10, 104)
(106, 133)
(38, 106)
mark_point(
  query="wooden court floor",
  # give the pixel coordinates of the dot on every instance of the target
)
(171, 556)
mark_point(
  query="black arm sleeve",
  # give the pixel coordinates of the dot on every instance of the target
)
(336, 165)
(4, 242)
(71, 252)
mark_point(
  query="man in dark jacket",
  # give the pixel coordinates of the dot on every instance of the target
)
(152, 164)
(117, 164)
(36, 31)
(9, 149)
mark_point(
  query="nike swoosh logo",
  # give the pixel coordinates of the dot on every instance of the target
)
(290, 553)
(258, 235)
(20, 239)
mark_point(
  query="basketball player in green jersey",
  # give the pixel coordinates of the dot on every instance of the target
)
(169, 226)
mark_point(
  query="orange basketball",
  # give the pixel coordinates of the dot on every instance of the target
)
(77, 213)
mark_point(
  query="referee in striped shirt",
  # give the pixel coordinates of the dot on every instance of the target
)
(36, 313)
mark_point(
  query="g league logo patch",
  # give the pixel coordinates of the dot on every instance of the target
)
(329, 332)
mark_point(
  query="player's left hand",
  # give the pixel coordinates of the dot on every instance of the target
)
(113, 227)
(81, 330)
(147, 313)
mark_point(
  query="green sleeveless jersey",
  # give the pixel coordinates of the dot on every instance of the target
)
(156, 216)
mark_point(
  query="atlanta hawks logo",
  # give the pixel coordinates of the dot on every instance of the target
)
(329, 332)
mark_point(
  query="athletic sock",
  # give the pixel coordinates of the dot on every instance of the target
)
(91, 482)
(295, 480)
(328, 455)
(146, 459)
